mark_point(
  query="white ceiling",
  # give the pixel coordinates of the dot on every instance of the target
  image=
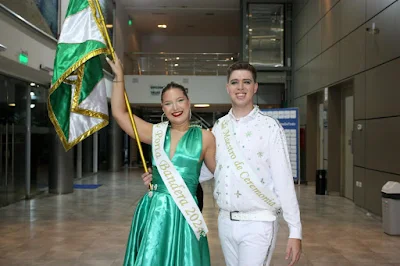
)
(185, 17)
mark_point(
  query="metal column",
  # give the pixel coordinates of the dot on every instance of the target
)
(95, 152)
(61, 176)
(28, 145)
(115, 139)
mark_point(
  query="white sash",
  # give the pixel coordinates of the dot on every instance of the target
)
(239, 165)
(175, 184)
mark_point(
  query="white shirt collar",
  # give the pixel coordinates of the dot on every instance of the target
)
(248, 117)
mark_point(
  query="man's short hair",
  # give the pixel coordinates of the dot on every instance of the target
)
(242, 66)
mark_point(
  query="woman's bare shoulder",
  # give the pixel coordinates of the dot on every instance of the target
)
(208, 136)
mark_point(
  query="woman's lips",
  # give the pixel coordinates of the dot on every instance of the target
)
(176, 114)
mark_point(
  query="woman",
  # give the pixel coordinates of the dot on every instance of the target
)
(168, 228)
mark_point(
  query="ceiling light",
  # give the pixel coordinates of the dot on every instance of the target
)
(231, 58)
(177, 58)
(176, 65)
(250, 30)
(109, 26)
(162, 26)
(11, 104)
(202, 105)
(32, 105)
(166, 60)
(33, 84)
(32, 94)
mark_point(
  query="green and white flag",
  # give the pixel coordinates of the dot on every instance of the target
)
(77, 101)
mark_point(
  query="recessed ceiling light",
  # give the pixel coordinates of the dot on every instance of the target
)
(162, 26)
(202, 105)
(33, 84)
(11, 104)
(33, 105)
(176, 65)
(177, 58)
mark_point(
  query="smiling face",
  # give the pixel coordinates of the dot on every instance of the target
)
(241, 88)
(176, 106)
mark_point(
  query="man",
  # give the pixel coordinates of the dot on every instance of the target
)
(253, 178)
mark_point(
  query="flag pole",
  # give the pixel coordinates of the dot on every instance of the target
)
(127, 103)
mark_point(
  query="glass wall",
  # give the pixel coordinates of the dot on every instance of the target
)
(44, 14)
(41, 13)
(49, 10)
(40, 138)
(107, 8)
(21, 104)
(266, 35)
(13, 103)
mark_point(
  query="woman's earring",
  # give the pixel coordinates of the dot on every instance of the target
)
(162, 117)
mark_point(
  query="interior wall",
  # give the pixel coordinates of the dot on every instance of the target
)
(333, 42)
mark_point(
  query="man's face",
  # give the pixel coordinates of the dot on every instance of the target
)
(241, 88)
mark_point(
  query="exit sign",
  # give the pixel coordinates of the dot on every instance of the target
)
(23, 58)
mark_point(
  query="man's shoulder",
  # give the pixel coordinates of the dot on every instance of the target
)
(268, 120)
(219, 121)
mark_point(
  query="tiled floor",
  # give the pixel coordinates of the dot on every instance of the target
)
(90, 227)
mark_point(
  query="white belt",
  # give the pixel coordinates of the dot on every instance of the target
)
(262, 215)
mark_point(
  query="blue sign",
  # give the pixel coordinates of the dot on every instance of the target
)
(289, 119)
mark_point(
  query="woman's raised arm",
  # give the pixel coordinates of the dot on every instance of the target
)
(119, 109)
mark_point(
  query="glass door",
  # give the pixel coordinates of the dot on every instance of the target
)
(13, 105)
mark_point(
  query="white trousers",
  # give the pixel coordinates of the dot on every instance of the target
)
(247, 243)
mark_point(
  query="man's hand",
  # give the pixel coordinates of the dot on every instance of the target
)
(293, 250)
(147, 177)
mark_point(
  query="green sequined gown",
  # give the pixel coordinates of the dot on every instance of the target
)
(160, 235)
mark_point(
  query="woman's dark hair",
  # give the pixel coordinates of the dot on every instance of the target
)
(173, 85)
